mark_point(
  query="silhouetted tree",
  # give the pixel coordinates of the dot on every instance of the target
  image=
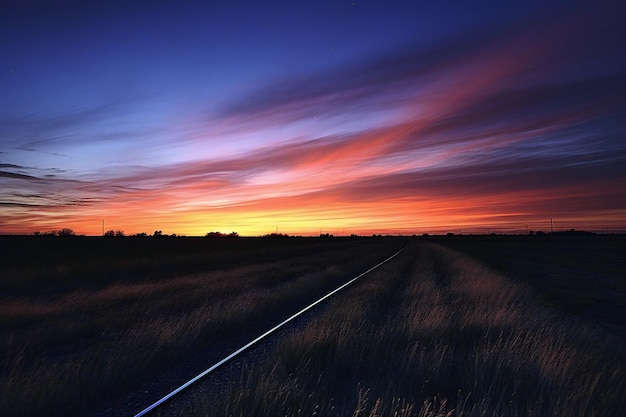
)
(66, 232)
(276, 235)
(157, 233)
(114, 233)
(220, 234)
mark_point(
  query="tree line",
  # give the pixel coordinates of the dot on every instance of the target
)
(120, 233)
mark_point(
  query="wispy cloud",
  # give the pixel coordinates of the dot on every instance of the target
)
(490, 127)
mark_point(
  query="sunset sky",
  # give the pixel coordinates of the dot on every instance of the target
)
(312, 116)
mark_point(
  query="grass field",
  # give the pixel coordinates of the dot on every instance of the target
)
(584, 275)
(432, 333)
(83, 319)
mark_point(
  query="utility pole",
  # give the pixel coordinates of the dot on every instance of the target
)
(551, 228)
(102, 227)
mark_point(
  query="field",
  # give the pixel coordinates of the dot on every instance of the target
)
(582, 275)
(432, 333)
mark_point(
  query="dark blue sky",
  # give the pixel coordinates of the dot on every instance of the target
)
(384, 116)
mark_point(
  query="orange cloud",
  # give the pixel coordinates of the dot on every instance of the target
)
(474, 136)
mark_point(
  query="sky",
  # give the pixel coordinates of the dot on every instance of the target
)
(312, 116)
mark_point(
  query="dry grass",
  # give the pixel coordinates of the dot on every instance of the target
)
(62, 352)
(434, 333)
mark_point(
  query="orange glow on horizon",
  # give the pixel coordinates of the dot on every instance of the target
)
(307, 215)
(494, 135)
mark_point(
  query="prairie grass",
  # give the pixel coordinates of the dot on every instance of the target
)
(583, 274)
(74, 342)
(434, 333)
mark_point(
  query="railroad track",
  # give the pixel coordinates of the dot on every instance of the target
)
(152, 407)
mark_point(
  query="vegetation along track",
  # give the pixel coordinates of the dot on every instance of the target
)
(433, 333)
(259, 338)
(93, 327)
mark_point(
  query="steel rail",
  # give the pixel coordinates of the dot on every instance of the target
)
(249, 344)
